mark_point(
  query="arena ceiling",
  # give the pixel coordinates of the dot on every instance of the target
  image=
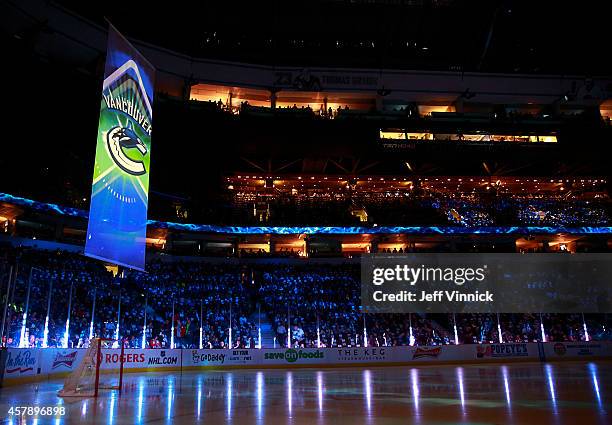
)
(457, 35)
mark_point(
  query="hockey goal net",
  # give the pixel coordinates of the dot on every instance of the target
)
(89, 377)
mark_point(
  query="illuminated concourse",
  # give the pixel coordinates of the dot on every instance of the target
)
(526, 393)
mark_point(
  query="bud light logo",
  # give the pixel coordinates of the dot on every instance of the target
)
(422, 352)
(62, 359)
(560, 349)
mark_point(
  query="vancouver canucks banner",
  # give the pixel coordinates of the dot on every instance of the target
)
(119, 197)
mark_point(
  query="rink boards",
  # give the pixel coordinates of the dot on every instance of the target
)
(27, 364)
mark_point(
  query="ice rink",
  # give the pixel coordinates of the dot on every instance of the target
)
(526, 393)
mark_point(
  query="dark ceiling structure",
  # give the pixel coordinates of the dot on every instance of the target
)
(457, 35)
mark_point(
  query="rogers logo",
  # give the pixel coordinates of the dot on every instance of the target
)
(127, 358)
(62, 359)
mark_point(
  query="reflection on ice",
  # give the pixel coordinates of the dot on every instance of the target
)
(593, 370)
(513, 393)
(460, 383)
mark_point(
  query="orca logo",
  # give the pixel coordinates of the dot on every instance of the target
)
(120, 138)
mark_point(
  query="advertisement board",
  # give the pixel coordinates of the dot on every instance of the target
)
(505, 351)
(206, 358)
(296, 356)
(569, 350)
(134, 358)
(57, 360)
(30, 362)
(361, 354)
(22, 362)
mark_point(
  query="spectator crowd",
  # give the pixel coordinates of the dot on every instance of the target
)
(306, 305)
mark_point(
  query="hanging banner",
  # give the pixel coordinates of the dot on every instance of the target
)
(118, 212)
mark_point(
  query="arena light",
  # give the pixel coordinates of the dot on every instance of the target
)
(411, 340)
(23, 343)
(46, 329)
(46, 333)
(499, 332)
(288, 327)
(201, 322)
(259, 337)
(144, 326)
(455, 330)
(93, 310)
(116, 343)
(66, 334)
(66, 337)
(172, 327)
(542, 329)
(586, 331)
(289, 337)
(229, 339)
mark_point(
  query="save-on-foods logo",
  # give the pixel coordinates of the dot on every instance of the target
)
(292, 356)
(501, 350)
(421, 352)
(62, 359)
(23, 362)
(198, 357)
